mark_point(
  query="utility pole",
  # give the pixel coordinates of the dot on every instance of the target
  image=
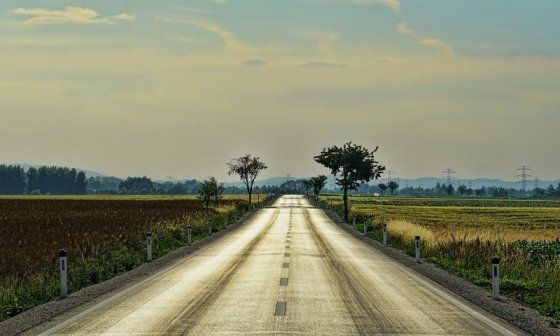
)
(448, 174)
(524, 175)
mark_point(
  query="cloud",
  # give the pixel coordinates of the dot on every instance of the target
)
(434, 42)
(255, 62)
(75, 15)
(392, 4)
(319, 64)
(403, 28)
(324, 40)
(227, 37)
(124, 16)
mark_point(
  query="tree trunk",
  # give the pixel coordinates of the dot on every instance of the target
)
(345, 198)
(250, 202)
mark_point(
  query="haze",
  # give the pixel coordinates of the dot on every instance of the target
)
(177, 88)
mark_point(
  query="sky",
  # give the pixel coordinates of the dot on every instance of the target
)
(173, 88)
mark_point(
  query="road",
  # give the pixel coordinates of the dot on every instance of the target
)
(288, 271)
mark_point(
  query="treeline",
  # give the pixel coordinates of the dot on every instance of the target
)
(449, 190)
(14, 180)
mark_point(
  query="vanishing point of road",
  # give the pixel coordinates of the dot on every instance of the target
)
(289, 270)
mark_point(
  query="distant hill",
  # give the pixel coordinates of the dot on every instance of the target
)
(89, 173)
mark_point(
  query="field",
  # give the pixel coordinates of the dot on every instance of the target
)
(462, 235)
(104, 236)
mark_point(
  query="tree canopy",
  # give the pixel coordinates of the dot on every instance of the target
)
(351, 165)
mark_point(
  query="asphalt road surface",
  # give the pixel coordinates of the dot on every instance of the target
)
(288, 271)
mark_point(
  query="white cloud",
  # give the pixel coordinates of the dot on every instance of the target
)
(124, 16)
(227, 37)
(403, 28)
(76, 15)
(437, 43)
(324, 40)
(392, 4)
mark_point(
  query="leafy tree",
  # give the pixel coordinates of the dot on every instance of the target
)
(12, 180)
(469, 192)
(136, 186)
(210, 191)
(307, 184)
(247, 168)
(448, 189)
(480, 192)
(500, 192)
(318, 183)
(32, 181)
(393, 186)
(353, 164)
(462, 190)
(383, 187)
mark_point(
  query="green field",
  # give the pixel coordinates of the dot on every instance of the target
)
(462, 235)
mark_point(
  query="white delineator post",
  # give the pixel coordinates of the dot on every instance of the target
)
(226, 222)
(189, 230)
(384, 234)
(365, 228)
(417, 245)
(354, 222)
(496, 278)
(149, 246)
(210, 227)
(63, 257)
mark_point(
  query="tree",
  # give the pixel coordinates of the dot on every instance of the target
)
(307, 184)
(210, 191)
(393, 186)
(12, 180)
(318, 183)
(448, 189)
(136, 186)
(462, 190)
(32, 181)
(480, 192)
(383, 187)
(247, 168)
(353, 164)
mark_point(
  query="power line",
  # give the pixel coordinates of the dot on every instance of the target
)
(524, 175)
(448, 174)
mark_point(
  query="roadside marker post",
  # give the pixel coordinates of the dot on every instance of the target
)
(149, 246)
(496, 278)
(417, 244)
(63, 258)
(354, 222)
(189, 230)
(210, 227)
(384, 234)
(365, 228)
(226, 222)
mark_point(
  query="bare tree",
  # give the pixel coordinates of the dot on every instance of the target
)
(247, 167)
